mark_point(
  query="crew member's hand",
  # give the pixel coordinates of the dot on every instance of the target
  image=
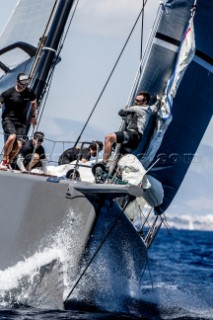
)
(122, 113)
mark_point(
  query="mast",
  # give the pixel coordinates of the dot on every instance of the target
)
(58, 21)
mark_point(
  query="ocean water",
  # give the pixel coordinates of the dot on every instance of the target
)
(177, 284)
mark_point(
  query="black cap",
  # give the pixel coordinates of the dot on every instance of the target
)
(23, 78)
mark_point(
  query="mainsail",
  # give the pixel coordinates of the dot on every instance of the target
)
(27, 15)
(192, 105)
(34, 52)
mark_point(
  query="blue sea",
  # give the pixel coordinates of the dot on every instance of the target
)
(177, 283)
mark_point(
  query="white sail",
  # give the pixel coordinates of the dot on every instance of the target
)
(27, 15)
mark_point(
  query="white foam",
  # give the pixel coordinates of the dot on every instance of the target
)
(36, 274)
(9, 279)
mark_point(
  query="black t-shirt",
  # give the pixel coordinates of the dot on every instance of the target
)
(71, 154)
(16, 104)
(28, 148)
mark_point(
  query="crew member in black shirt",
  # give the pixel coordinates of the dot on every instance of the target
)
(15, 103)
(73, 153)
(32, 153)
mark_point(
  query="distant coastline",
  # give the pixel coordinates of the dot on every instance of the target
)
(189, 222)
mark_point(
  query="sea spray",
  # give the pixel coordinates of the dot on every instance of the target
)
(42, 279)
(17, 281)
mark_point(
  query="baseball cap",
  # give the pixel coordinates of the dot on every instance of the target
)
(23, 78)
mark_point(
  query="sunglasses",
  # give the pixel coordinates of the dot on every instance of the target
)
(23, 84)
(140, 101)
(39, 138)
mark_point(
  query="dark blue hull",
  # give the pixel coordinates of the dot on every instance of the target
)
(110, 277)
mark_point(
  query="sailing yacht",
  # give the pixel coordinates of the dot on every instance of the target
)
(103, 254)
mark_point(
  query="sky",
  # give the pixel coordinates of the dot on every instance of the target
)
(96, 37)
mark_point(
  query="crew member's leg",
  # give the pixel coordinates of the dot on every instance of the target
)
(10, 133)
(116, 137)
(109, 139)
(15, 150)
(20, 132)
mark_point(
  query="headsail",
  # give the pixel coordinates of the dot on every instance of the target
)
(192, 107)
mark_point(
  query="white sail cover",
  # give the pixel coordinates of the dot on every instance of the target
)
(27, 15)
(184, 58)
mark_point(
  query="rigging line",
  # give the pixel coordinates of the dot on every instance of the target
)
(143, 271)
(46, 93)
(96, 252)
(150, 275)
(142, 27)
(110, 75)
(165, 222)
